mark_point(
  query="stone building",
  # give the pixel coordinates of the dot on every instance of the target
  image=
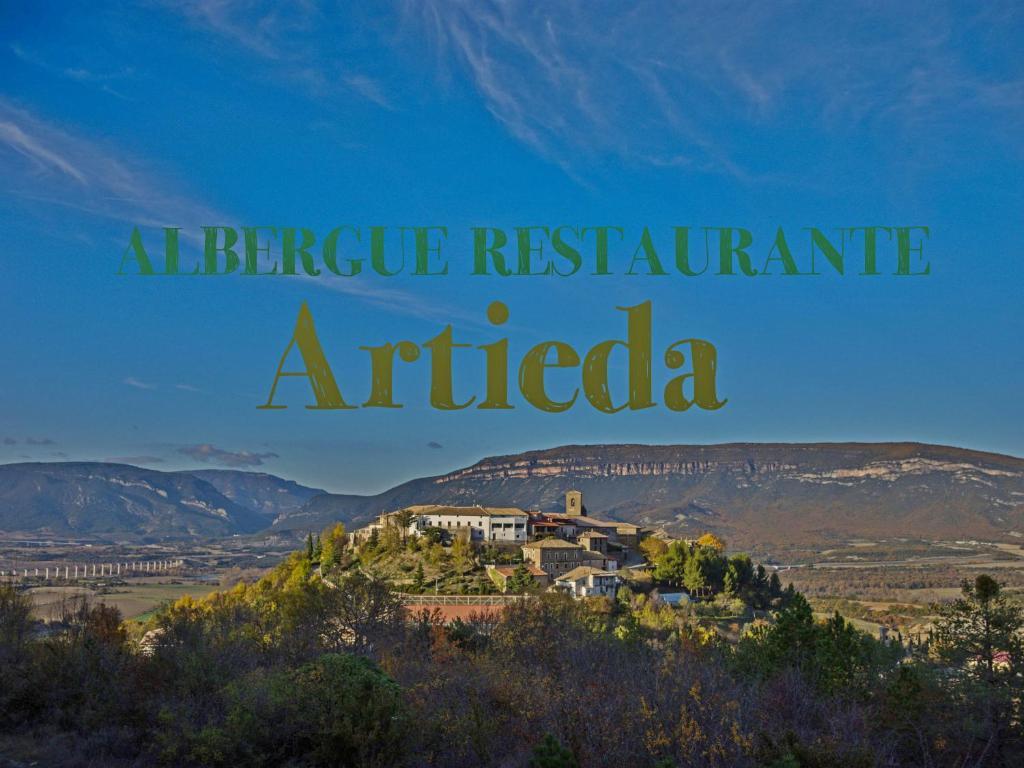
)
(587, 581)
(484, 524)
(553, 556)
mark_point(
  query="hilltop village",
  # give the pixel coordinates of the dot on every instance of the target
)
(440, 550)
(569, 551)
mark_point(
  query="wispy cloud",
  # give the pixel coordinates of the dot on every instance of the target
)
(254, 25)
(145, 460)
(10, 441)
(187, 388)
(131, 381)
(434, 444)
(51, 166)
(42, 162)
(209, 454)
(669, 84)
(29, 147)
(269, 30)
(79, 74)
(370, 89)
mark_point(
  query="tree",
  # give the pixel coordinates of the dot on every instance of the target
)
(670, 567)
(462, 553)
(551, 754)
(340, 710)
(391, 539)
(693, 573)
(363, 609)
(419, 581)
(835, 657)
(729, 583)
(652, 548)
(983, 635)
(16, 687)
(15, 622)
(309, 546)
(980, 630)
(520, 581)
(374, 541)
(710, 541)
(759, 589)
(331, 547)
(403, 519)
(738, 578)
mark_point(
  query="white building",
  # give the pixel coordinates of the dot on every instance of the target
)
(483, 523)
(587, 581)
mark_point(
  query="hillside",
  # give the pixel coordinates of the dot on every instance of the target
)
(118, 501)
(268, 496)
(751, 493)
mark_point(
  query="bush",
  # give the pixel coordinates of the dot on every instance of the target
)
(340, 710)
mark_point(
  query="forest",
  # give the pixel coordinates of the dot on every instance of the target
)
(318, 664)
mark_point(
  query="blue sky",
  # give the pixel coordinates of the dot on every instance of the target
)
(502, 114)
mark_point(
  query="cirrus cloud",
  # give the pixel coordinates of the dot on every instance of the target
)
(679, 84)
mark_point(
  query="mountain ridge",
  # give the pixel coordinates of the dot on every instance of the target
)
(752, 493)
(107, 500)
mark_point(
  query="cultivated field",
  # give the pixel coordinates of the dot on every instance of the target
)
(133, 600)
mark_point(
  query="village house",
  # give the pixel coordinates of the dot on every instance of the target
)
(484, 524)
(623, 534)
(575, 522)
(540, 526)
(500, 574)
(557, 556)
(477, 523)
(587, 581)
(384, 520)
(553, 556)
(593, 541)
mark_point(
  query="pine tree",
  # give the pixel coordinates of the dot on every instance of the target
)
(693, 573)
(520, 581)
(729, 582)
(419, 581)
(983, 634)
(670, 567)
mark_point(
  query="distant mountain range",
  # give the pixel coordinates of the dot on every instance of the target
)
(754, 494)
(122, 502)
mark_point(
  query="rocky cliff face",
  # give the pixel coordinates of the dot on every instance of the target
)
(751, 493)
